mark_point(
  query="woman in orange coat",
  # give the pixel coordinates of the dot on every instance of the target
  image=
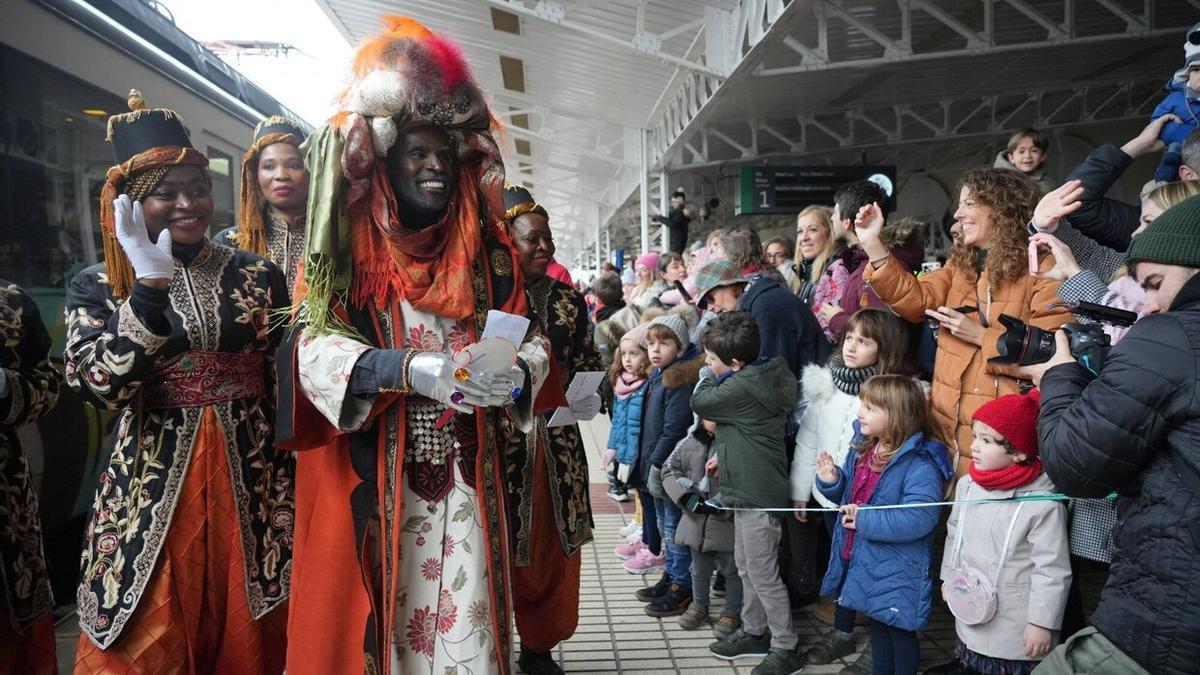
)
(988, 271)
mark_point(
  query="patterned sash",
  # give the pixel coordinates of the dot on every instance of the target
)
(196, 378)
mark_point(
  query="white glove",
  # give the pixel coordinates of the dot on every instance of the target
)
(150, 260)
(586, 408)
(431, 374)
(3, 384)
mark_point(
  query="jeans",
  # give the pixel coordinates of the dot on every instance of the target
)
(679, 557)
(651, 536)
(896, 651)
(703, 564)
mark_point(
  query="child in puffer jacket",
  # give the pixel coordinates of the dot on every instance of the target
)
(628, 374)
(881, 557)
(706, 531)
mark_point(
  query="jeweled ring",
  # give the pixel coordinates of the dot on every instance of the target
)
(462, 374)
(516, 393)
(457, 397)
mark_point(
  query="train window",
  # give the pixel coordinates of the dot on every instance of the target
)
(220, 165)
(51, 171)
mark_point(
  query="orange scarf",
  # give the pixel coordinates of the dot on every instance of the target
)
(429, 268)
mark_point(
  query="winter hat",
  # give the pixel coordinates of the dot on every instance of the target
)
(1172, 239)
(628, 277)
(650, 260)
(1015, 417)
(714, 275)
(677, 325)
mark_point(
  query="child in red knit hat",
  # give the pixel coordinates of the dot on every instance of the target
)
(1006, 568)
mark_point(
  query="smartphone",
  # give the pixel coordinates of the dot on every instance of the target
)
(683, 292)
(966, 309)
(1033, 258)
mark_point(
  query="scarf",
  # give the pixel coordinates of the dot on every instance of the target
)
(624, 387)
(1015, 476)
(850, 380)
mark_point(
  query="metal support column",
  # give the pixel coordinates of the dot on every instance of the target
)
(599, 260)
(644, 190)
(664, 206)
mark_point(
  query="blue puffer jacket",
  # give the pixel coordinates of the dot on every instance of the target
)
(627, 425)
(887, 576)
(1182, 103)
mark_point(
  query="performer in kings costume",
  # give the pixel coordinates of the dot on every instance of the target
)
(402, 561)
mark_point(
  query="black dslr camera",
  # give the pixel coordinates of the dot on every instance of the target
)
(1026, 345)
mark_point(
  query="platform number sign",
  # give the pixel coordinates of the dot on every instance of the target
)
(788, 189)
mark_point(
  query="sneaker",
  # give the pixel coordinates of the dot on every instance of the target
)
(674, 603)
(779, 662)
(695, 617)
(646, 562)
(739, 645)
(652, 593)
(834, 645)
(619, 495)
(629, 549)
(718, 587)
(537, 663)
(863, 665)
(726, 625)
(631, 528)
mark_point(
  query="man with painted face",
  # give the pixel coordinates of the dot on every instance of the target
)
(402, 562)
(547, 467)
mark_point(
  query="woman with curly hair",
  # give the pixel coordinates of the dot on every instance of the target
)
(986, 275)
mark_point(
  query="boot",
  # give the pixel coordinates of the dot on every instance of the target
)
(674, 603)
(863, 665)
(652, 593)
(695, 617)
(834, 645)
(537, 663)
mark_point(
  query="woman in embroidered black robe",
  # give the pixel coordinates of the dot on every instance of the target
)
(274, 197)
(28, 390)
(187, 556)
(547, 468)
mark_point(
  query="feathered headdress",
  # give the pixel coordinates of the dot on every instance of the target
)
(251, 233)
(406, 76)
(146, 142)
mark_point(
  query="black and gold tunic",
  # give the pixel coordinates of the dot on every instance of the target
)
(285, 243)
(561, 312)
(210, 346)
(32, 392)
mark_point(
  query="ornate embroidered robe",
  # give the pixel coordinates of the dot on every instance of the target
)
(218, 358)
(32, 392)
(285, 244)
(561, 313)
(402, 558)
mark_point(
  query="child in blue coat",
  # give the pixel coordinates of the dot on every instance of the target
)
(1182, 102)
(881, 557)
(628, 375)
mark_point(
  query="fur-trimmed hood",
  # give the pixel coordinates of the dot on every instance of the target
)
(817, 383)
(685, 372)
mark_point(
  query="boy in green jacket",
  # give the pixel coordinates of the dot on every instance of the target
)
(750, 401)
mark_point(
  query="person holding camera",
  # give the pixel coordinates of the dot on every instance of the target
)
(1133, 429)
(986, 275)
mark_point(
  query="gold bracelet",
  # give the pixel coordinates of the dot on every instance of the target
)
(405, 385)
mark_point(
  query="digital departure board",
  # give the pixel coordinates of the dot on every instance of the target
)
(788, 189)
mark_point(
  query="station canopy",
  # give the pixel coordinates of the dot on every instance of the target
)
(916, 83)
